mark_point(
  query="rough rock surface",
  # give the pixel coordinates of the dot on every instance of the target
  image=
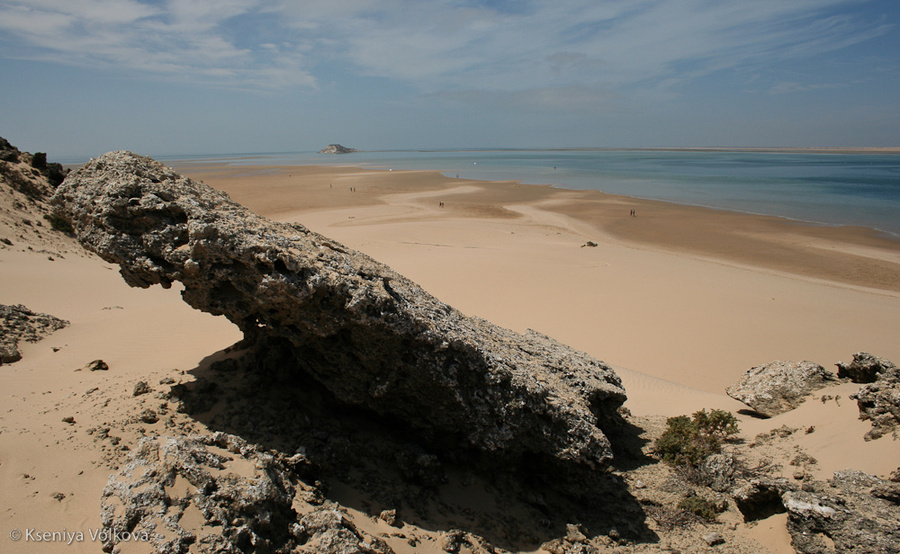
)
(234, 497)
(337, 149)
(368, 334)
(864, 368)
(18, 323)
(843, 515)
(778, 387)
(880, 401)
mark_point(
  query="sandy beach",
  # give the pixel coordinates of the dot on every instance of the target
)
(680, 300)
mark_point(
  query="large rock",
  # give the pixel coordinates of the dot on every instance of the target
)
(778, 387)
(864, 368)
(843, 515)
(370, 335)
(18, 323)
(879, 402)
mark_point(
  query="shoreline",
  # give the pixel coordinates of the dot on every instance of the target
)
(686, 305)
(847, 254)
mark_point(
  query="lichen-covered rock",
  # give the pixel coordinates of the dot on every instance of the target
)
(325, 530)
(778, 387)
(177, 494)
(368, 334)
(843, 516)
(18, 323)
(864, 368)
(879, 402)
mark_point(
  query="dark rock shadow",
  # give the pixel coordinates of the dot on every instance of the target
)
(752, 413)
(371, 463)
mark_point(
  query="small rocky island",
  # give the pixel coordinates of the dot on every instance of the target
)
(337, 149)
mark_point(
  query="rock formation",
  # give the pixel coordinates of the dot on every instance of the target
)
(170, 480)
(337, 149)
(879, 402)
(864, 368)
(368, 334)
(18, 323)
(845, 514)
(778, 387)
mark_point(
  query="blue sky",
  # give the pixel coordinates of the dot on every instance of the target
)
(81, 77)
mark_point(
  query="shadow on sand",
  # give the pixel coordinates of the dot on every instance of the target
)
(370, 463)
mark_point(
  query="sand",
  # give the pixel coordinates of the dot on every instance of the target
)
(680, 300)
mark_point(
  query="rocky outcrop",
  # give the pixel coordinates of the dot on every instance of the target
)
(778, 387)
(879, 402)
(864, 368)
(18, 323)
(27, 173)
(231, 496)
(337, 149)
(843, 515)
(368, 334)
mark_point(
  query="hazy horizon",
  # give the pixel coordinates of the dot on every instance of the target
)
(200, 77)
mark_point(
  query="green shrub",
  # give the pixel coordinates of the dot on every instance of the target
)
(698, 506)
(688, 441)
(59, 223)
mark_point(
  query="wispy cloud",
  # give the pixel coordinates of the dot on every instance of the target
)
(582, 47)
(787, 87)
(185, 40)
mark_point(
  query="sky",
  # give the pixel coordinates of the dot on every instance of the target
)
(168, 77)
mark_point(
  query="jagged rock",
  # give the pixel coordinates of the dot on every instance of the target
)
(326, 531)
(778, 387)
(97, 365)
(368, 334)
(337, 149)
(718, 471)
(18, 323)
(455, 541)
(168, 477)
(713, 539)
(29, 174)
(843, 516)
(864, 368)
(148, 416)
(575, 533)
(390, 517)
(141, 387)
(879, 402)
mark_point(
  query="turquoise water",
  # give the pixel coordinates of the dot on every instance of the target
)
(829, 189)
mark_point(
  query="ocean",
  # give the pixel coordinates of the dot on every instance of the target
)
(820, 188)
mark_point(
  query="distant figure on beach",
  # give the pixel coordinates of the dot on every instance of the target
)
(633, 213)
(442, 204)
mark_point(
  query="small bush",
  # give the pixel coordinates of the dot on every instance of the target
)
(688, 441)
(59, 223)
(700, 507)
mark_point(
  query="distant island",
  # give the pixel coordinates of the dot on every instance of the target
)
(337, 149)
